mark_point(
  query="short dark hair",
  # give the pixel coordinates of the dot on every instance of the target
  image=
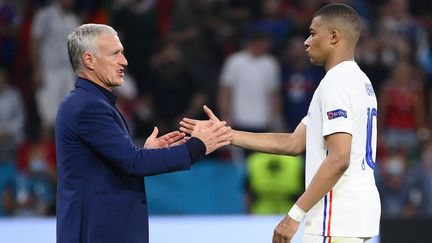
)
(341, 11)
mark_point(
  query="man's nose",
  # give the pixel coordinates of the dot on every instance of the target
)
(123, 61)
(306, 43)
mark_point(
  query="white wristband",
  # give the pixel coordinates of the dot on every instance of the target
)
(296, 213)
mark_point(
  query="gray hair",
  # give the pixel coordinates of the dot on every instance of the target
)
(82, 39)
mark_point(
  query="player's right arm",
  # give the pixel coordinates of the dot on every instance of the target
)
(275, 143)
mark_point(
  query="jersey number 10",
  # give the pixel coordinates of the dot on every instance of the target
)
(371, 113)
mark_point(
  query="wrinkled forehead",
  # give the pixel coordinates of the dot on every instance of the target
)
(109, 41)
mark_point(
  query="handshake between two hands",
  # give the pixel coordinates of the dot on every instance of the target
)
(213, 133)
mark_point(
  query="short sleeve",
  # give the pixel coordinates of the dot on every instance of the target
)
(336, 111)
(305, 120)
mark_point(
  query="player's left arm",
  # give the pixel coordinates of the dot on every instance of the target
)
(329, 173)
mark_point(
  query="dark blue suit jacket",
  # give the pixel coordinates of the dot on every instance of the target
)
(100, 189)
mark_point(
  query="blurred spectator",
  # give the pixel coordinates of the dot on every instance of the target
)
(9, 23)
(249, 95)
(22, 72)
(402, 114)
(221, 38)
(407, 35)
(53, 74)
(45, 146)
(299, 81)
(12, 118)
(175, 93)
(34, 187)
(392, 183)
(136, 23)
(273, 22)
(368, 56)
(190, 21)
(419, 198)
(238, 15)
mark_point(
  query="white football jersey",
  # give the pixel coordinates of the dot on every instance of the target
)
(344, 102)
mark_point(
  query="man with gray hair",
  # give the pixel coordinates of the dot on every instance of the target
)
(100, 189)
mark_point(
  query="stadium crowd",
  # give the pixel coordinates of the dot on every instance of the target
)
(187, 53)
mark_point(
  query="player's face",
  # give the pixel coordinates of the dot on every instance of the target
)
(318, 43)
(110, 61)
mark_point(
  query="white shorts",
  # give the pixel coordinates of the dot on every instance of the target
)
(307, 238)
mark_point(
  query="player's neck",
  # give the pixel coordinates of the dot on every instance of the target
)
(340, 57)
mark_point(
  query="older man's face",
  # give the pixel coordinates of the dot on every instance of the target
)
(110, 61)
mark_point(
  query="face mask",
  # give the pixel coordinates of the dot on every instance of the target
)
(37, 165)
(395, 166)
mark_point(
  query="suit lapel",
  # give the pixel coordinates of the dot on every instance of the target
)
(123, 121)
(85, 84)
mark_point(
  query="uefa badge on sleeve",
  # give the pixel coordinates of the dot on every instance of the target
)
(336, 113)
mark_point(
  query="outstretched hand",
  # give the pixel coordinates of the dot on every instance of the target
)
(188, 125)
(210, 114)
(167, 140)
(213, 134)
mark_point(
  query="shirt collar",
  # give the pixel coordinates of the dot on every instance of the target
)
(108, 94)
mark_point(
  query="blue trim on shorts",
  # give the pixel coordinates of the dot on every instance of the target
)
(325, 216)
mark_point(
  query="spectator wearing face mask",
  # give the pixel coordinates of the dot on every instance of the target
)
(419, 196)
(392, 183)
(34, 186)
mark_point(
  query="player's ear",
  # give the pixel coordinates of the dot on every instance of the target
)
(334, 36)
(88, 60)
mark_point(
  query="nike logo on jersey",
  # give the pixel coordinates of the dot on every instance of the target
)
(336, 113)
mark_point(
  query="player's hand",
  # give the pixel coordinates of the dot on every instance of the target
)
(285, 230)
(187, 125)
(213, 134)
(210, 114)
(167, 140)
